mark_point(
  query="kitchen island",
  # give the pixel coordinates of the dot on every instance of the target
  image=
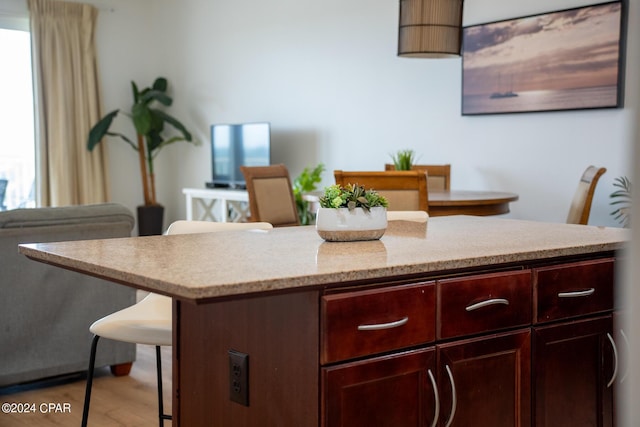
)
(476, 319)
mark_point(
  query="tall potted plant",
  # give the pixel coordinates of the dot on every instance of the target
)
(151, 136)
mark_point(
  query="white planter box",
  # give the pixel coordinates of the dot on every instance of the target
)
(344, 225)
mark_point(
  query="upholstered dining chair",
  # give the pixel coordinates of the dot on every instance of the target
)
(271, 195)
(581, 204)
(405, 190)
(150, 320)
(438, 176)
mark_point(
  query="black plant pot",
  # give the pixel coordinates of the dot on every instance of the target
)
(150, 220)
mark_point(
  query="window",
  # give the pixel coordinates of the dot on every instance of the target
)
(17, 146)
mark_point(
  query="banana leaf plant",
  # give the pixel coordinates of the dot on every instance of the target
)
(622, 201)
(151, 133)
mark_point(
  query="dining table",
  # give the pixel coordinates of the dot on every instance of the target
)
(232, 204)
(469, 202)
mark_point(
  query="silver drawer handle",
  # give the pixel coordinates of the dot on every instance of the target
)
(379, 326)
(576, 294)
(436, 413)
(615, 360)
(486, 303)
(454, 397)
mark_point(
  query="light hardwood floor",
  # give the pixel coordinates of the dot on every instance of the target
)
(129, 401)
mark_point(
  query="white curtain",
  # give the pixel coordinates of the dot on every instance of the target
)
(67, 103)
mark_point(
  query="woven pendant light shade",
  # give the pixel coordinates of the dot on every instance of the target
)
(430, 28)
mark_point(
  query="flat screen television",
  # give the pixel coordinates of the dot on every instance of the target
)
(235, 145)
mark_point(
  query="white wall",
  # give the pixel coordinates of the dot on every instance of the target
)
(327, 77)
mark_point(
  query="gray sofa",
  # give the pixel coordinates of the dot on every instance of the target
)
(46, 311)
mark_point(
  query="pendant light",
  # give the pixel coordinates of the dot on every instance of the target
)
(430, 28)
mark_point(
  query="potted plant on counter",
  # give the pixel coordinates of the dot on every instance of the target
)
(351, 213)
(151, 136)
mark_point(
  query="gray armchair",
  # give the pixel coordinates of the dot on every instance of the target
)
(46, 311)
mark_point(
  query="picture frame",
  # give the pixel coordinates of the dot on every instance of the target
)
(571, 59)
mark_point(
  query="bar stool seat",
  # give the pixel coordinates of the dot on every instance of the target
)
(147, 322)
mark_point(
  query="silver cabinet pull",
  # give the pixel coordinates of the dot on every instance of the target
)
(626, 343)
(454, 397)
(576, 294)
(486, 303)
(378, 326)
(436, 414)
(615, 360)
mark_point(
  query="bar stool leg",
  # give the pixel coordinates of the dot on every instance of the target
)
(87, 393)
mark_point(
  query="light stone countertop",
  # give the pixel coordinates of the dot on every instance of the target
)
(225, 264)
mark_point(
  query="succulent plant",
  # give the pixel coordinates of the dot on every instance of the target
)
(351, 197)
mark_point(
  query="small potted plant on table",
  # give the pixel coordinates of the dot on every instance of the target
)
(403, 160)
(351, 213)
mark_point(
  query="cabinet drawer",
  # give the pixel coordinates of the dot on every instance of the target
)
(361, 323)
(482, 303)
(575, 289)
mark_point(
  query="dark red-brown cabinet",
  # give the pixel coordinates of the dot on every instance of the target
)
(386, 391)
(575, 364)
(575, 355)
(486, 381)
(530, 346)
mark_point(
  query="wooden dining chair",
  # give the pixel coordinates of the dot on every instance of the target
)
(405, 190)
(438, 176)
(271, 195)
(581, 204)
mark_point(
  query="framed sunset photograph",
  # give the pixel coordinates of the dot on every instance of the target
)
(567, 60)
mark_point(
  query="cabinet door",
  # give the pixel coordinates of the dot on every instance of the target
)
(574, 368)
(486, 381)
(388, 391)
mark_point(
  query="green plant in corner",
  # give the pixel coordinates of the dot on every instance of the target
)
(149, 124)
(403, 159)
(351, 197)
(306, 182)
(622, 201)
